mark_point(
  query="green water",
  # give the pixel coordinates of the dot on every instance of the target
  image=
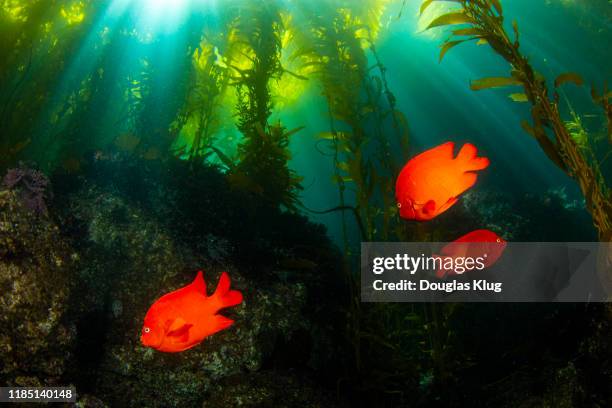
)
(264, 138)
(127, 76)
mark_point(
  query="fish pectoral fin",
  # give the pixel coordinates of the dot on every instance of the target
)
(451, 201)
(181, 333)
(429, 207)
(178, 329)
(174, 324)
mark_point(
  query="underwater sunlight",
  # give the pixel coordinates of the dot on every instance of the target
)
(162, 16)
(306, 203)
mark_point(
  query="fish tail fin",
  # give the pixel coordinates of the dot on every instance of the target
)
(468, 158)
(223, 296)
(220, 322)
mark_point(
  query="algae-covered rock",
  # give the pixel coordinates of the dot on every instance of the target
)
(146, 377)
(267, 389)
(89, 401)
(129, 261)
(558, 217)
(35, 283)
(126, 254)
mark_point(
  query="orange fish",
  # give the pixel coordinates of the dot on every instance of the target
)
(481, 243)
(181, 319)
(430, 183)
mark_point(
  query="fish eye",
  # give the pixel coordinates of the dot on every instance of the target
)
(498, 240)
(147, 330)
(399, 205)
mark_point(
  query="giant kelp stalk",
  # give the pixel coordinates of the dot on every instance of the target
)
(264, 152)
(483, 20)
(361, 108)
(365, 129)
(200, 119)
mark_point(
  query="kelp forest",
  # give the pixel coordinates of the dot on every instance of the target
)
(144, 141)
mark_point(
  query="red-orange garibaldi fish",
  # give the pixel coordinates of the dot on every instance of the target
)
(430, 182)
(479, 243)
(181, 319)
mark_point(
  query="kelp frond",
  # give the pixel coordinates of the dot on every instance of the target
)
(199, 122)
(483, 21)
(361, 107)
(264, 155)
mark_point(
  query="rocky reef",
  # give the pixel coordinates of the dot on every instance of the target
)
(36, 269)
(32, 186)
(77, 281)
(548, 216)
(267, 389)
(137, 239)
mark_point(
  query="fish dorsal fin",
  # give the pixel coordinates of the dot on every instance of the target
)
(198, 284)
(438, 154)
(447, 147)
(445, 150)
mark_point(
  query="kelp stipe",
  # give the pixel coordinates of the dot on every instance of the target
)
(361, 108)
(199, 121)
(484, 23)
(233, 74)
(367, 141)
(264, 152)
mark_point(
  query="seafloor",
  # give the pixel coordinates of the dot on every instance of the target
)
(80, 267)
